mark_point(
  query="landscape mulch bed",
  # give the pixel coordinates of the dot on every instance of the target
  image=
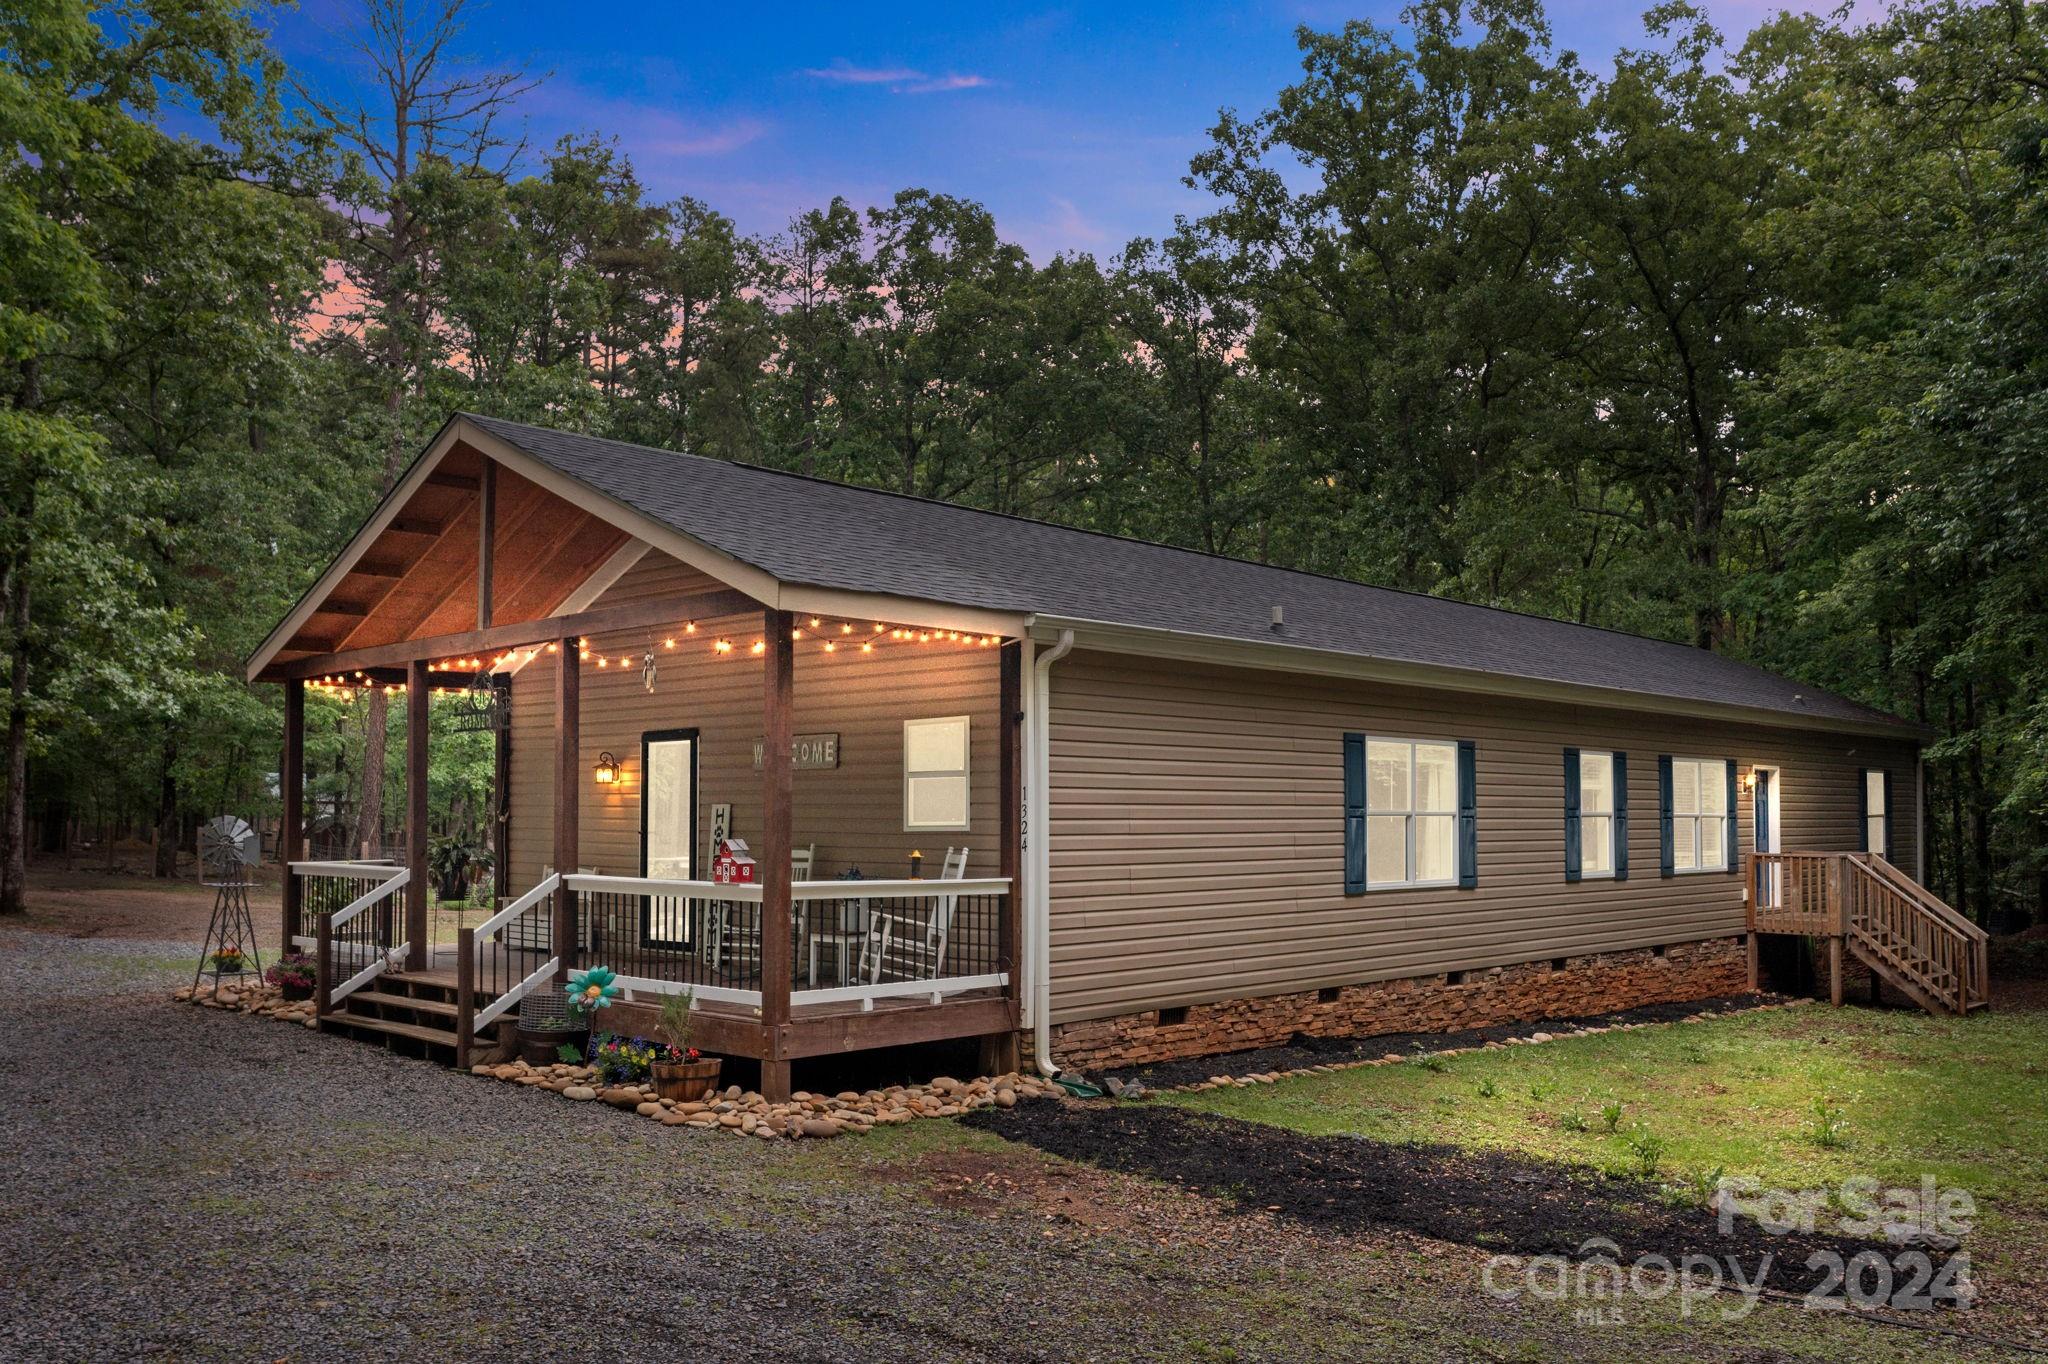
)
(1494, 1200)
(1303, 1051)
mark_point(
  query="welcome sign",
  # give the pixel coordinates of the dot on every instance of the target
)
(806, 751)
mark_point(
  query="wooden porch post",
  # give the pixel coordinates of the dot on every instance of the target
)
(501, 794)
(999, 1053)
(778, 953)
(291, 831)
(419, 695)
(568, 758)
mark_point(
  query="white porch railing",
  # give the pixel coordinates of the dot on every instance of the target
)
(880, 939)
(851, 941)
(358, 937)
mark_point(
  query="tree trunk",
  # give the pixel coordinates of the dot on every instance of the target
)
(14, 809)
(370, 807)
(167, 839)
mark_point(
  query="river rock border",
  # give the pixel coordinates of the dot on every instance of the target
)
(745, 1113)
(741, 1112)
(264, 1001)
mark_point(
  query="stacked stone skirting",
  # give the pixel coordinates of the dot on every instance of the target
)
(1574, 987)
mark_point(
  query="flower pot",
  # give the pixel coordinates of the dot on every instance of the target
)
(686, 1081)
(296, 989)
(542, 1046)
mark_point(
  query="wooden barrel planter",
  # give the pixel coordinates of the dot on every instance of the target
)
(686, 1081)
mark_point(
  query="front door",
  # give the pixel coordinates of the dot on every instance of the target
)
(668, 829)
(1763, 800)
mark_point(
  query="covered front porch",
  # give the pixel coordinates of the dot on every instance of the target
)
(651, 707)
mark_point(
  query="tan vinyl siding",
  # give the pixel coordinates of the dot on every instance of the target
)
(853, 813)
(1197, 833)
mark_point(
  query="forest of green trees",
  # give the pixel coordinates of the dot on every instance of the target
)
(1740, 341)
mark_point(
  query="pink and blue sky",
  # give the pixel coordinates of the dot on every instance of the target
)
(1072, 124)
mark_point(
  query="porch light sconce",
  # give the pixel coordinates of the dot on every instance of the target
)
(1749, 777)
(607, 769)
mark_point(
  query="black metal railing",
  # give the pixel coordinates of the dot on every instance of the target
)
(688, 939)
(870, 939)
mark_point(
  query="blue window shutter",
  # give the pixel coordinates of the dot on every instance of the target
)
(1862, 809)
(1621, 816)
(1890, 838)
(1573, 841)
(1667, 863)
(1468, 814)
(1354, 814)
(1730, 835)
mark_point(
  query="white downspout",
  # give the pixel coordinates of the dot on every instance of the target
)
(1039, 907)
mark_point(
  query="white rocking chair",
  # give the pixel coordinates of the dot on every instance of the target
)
(906, 946)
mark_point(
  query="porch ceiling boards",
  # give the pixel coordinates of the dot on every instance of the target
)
(419, 578)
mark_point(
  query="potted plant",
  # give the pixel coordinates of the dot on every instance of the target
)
(554, 1021)
(293, 975)
(453, 862)
(228, 960)
(683, 1074)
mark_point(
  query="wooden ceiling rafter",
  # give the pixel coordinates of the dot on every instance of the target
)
(378, 598)
(525, 506)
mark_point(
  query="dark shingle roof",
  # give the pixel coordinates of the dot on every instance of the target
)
(815, 532)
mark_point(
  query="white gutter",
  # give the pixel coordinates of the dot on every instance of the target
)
(1038, 897)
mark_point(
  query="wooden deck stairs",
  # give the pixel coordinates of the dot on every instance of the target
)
(1863, 906)
(411, 1012)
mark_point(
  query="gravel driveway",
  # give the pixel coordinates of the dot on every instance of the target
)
(201, 1185)
(190, 1184)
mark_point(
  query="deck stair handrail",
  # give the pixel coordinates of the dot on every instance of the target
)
(353, 937)
(1897, 927)
(489, 956)
(1935, 953)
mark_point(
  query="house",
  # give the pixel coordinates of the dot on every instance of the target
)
(1161, 803)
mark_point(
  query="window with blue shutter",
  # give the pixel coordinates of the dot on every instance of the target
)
(1468, 814)
(1354, 814)
(1667, 857)
(1729, 852)
(1874, 817)
(1572, 834)
(1891, 822)
(1621, 816)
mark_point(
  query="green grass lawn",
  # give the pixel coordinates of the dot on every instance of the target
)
(1798, 1098)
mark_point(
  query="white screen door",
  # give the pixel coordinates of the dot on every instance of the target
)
(669, 842)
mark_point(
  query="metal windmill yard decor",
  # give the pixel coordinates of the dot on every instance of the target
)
(479, 708)
(228, 847)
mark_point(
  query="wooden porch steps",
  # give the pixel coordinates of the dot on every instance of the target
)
(411, 1010)
(1864, 907)
(391, 1027)
(417, 1003)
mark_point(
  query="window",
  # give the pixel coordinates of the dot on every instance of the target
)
(935, 773)
(1699, 814)
(1876, 805)
(1411, 813)
(1596, 814)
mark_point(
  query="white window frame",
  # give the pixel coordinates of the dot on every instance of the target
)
(1697, 820)
(1375, 882)
(1606, 815)
(912, 776)
(1874, 830)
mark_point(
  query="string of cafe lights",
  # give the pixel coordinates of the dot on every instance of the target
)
(835, 637)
